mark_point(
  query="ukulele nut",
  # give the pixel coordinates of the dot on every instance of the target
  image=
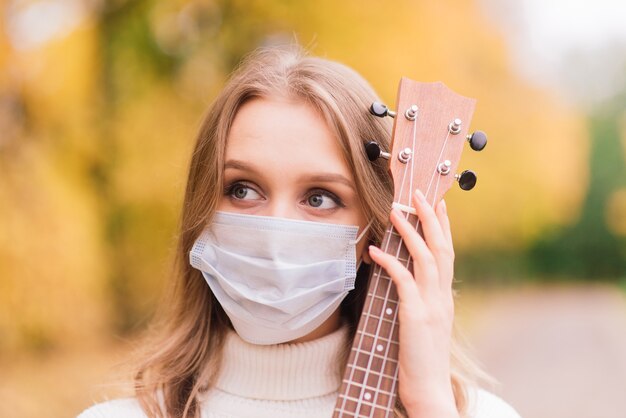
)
(411, 112)
(444, 167)
(403, 208)
(405, 155)
(455, 126)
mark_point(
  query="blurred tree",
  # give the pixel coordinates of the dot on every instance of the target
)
(131, 63)
(589, 248)
(146, 49)
(98, 124)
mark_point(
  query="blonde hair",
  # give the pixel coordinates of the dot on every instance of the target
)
(184, 356)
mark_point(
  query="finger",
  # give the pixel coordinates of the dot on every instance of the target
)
(447, 278)
(436, 240)
(444, 221)
(400, 276)
(433, 233)
(424, 263)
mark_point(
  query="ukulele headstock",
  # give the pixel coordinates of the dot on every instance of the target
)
(430, 129)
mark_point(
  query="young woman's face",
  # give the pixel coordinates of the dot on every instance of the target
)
(282, 160)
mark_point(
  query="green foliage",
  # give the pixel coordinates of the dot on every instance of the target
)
(589, 249)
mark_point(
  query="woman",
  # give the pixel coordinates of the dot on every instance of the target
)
(281, 218)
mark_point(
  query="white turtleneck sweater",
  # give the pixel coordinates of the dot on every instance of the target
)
(282, 381)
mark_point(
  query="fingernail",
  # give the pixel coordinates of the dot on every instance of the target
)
(374, 249)
(420, 195)
(443, 206)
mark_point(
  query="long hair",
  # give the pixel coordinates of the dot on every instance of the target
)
(184, 355)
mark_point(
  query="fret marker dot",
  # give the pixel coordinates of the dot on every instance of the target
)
(389, 311)
(379, 347)
(367, 396)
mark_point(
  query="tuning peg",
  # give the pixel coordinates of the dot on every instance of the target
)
(381, 110)
(467, 179)
(477, 140)
(374, 152)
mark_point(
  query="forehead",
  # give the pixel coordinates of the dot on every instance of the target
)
(285, 135)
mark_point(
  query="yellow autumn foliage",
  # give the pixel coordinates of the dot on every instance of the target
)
(59, 269)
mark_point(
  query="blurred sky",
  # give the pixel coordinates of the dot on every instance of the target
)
(575, 46)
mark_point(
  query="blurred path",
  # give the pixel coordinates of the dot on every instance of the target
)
(559, 352)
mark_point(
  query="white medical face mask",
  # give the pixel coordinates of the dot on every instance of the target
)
(277, 279)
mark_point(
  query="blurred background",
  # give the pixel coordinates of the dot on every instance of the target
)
(99, 105)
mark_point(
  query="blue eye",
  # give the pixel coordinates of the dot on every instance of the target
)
(241, 191)
(321, 199)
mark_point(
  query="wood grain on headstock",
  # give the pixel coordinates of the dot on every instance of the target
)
(438, 106)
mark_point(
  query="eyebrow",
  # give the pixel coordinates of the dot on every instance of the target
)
(332, 178)
(317, 177)
(239, 165)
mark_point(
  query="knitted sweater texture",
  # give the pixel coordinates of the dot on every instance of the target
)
(279, 381)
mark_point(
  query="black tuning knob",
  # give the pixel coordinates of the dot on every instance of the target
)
(467, 179)
(373, 151)
(477, 140)
(381, 110)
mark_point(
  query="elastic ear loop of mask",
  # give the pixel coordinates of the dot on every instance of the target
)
(362, 234)
(356, 241)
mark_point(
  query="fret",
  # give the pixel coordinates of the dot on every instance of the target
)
(384, 299)
(365, 401)
(404, 260)
(384, 318)
(379, 307)
(379, 357)
(373, 325)
(356, 409)
(391, 248)
(384, 289)
(383, 274)
(376, 388)
(378, 360)
(365, 395)
(359, 369)
(364, 389)
(380, 404)
(377, 338)
(392, 242)
(386, 349)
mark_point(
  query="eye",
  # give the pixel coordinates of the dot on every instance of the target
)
(242, 191)
(323, 199)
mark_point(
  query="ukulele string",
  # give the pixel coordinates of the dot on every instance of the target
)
(435, 171)
(375, 291)
(378, 270)
(413, 146)
(386, 300)
(368, 316)
(393, 324)
(408, 262)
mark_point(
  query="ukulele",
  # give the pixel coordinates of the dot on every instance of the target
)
(430, 128)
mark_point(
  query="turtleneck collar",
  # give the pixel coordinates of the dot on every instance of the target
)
(282, 371)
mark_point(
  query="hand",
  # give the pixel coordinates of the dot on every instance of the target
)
(425, 312)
